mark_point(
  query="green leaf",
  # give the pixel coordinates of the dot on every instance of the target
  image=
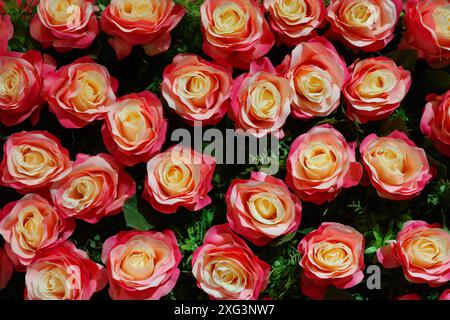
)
(436, 80)
(133, 217)
(407, 58)
(282, 240)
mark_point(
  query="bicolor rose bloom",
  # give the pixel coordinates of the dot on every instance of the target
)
(63, 273)
(320, 163)
(80, 93)
(31, 225)
(331, 255)
(6, 269)
(179, 177)
(428, 30)
(295, 21)
(317, 75)
(145, 23)
(445, 295)
(32, 161)
(262, 208)
(65, 24)
(141, 265)
(435, 123)
(21, 82)
(135, 128)
(261, 100)
(235, 31)
(7, 32)
(364, 24)
(198, 90)
(95, 188)
(422, 250)
(397, 168)
(376, 88)
(226, 268)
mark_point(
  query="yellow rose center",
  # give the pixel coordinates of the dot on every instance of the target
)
(266, 101)
(426, 251)
(332, 256)
(30, 228)
(63, 12)
(376, 83)
(194, 85)
(391, 157)
(313, 85)
(31, 161)
(266, 208)
(175, 178)
(132, 124)
(11, 82)
(82, 192)
(361, 13)
(441, 17)
(138, 263)
(91, 90)
(228, 274)
(319, 161)
(54, 283)
(135, 10)
(229, 19)
(292, 10)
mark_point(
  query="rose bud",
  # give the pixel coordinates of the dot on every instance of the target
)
(198, 90)
(32, 161)
(320, 163)
(226, 268)
(6, 269)
(423, 252)
(95, 188)
(332, 255)
(65, 25)
(262, 208)
(141, 265)
(261, 100)
(31, 225)
(80, 93)
(179, 177)
(397, 168)
(235, 31)
(145, 23)
(63, 273)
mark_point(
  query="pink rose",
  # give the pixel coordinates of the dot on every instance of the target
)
(80, 93)
(435, 123)
(367, 25)
(422, 250)
(376, 88)
(317, 75)
(6, 269)
(141, 265)
(445, 295)
(7, 32)
(32, 161)
(198, 90)
(145, 23)
(31, 225)
(235, 31)
(95, 188)
(261, 100)
(295, 21)
(63, 273)
(65, 25)
(135, 128)
(262, 208)
(179, 177)
(23, 73)
(426, 23)
(332, 255)
(320, 163)
(397, 168)
(226, 268)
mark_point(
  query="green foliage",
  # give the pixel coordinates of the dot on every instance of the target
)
(134, 217)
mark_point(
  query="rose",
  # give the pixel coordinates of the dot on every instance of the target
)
(365, 24)
(198, 90)
(135, 128)
(32, 161)
(65, 25)
(6, 269)
(7, 32)
(397, 168)
(63, 273)
(262, 208)
(235, 31)
(226, 268)
(410, 296)
(422, 250)
(295, 21)
(141, 265)
(261, 100)
(320, 163)
(95, 188)
(445, 295)
(316, 74)
(145, 23)
(80, 93)
(427, 30)
(376, 88)
(22, 77)
(332, 255)
(435, 122)
(179, 177)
